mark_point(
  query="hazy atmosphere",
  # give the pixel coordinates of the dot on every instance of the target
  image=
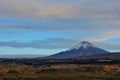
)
(45, 27)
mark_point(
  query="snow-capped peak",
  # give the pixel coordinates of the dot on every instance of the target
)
(86, 44)
(83, 44)
(82, 49)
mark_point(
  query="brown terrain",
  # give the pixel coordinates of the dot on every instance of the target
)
(24, 69)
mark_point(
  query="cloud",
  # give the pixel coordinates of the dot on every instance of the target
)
(97, 19)
(56, 43)
(36, 8)
(59, 9)
(115, 23)
(103, 13)
(108, 46)
(47, 24)
(105, 35)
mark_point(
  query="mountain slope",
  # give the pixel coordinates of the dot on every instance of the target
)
(108, 56)
(82, 49)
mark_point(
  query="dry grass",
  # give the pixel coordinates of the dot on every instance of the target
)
(60, 72)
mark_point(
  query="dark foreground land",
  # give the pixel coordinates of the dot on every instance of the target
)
(60, 72)
(84, 68)
(16, 71)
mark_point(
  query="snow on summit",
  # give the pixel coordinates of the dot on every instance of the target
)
(83, 44)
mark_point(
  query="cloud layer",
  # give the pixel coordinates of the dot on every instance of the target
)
(60, 9)
(58, 43)
(40, 44)
(92, 20)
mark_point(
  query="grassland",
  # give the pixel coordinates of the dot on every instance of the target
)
(13, 71)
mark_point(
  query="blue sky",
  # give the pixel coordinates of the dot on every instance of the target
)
(45, 27)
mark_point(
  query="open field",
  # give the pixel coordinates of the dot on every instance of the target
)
(13, 71)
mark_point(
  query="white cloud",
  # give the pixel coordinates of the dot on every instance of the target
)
(104, 36)
(59, 9)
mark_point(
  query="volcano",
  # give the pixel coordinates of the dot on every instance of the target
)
(84, 48)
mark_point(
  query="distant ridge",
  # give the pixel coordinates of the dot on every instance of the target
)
(84, 48)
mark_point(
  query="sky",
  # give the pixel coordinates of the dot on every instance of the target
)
(46, 27)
